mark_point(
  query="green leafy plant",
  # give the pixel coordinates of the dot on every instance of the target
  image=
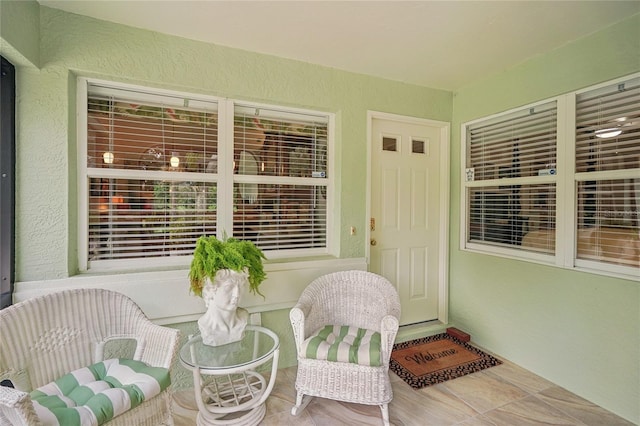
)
(212, 254)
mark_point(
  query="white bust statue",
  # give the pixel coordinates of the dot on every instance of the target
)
(223, 322)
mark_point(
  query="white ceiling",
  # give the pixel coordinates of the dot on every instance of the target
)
(439, 44)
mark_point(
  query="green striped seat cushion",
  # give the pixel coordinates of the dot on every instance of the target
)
(94, 395)
(344, 344)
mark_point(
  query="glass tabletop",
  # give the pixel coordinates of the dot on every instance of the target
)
(257, 344)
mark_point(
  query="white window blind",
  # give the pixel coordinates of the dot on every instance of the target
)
(151, 171)
(510, 179)
(513, 181)
(281, 178)
(607, 174)
(153, 185)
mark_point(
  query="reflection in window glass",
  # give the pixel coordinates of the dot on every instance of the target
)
(504, 215)
(608, 221)
(417, 146)
(130, 218)
(608, 206)
(274, 143)
(389, 144)
(283, 217)
(131, 136)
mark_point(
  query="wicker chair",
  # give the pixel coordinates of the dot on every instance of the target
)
(48, 336)
(351, 298)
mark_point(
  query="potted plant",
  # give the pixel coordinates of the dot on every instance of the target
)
(220, 269)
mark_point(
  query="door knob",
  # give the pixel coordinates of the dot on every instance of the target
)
(373, 242)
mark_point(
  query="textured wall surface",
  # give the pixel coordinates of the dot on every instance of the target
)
(578, 330)
(582, 331)
(74, 45)
(20, 32)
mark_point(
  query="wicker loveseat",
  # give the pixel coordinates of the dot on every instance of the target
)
(338, 320)
(45, 338)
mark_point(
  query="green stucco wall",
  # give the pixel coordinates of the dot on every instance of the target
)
(73, 45)
(579, 330)
(20, 32)
(582, 331)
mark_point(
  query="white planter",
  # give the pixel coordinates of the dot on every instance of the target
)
(224, 322)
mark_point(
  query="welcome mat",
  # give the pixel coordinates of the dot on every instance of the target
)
(435, 359)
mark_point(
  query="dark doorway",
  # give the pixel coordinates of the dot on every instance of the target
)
(7, 181)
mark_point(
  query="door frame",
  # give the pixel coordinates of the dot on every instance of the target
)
(443, 244)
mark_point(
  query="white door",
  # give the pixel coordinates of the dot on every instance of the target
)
(408, 228)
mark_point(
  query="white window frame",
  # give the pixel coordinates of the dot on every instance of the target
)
(565, 180)
(225, 180)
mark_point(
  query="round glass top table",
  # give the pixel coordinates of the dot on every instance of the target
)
(228, 380)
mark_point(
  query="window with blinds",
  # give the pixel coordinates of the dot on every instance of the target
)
(608, 174)
(528, 170)
(153, 182)
(510, 170)
(280, 178)
(150, 166)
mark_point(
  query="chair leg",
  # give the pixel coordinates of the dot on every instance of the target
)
(385, 414)
(302, 401)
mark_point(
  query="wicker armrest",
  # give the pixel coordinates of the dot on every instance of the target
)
(297, 316)
(388, 330)
(16, 408)
(161, 344)
(304, 308)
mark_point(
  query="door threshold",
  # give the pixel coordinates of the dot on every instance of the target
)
(421, 329)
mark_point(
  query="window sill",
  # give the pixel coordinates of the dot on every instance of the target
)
(171, 301)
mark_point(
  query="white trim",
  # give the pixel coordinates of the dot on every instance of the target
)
(517, 254)
(278, 113)
(153, 94)
(443, 243)
(445, 190)
(464, 217)
(565, 189)
(81, 177)
(504, 114)
(280, 180)
(225, 169)
(151, 175)
(606, 83)
(164, 295)
(607, 174)
(608, 269)
(333, 220)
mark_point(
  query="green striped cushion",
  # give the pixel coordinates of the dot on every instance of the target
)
(344, 344)
(94, 395)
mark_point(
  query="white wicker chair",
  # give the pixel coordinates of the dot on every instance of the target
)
(352, 298)
(46, 337)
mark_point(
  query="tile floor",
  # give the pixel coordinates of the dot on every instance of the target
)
(505, 395)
